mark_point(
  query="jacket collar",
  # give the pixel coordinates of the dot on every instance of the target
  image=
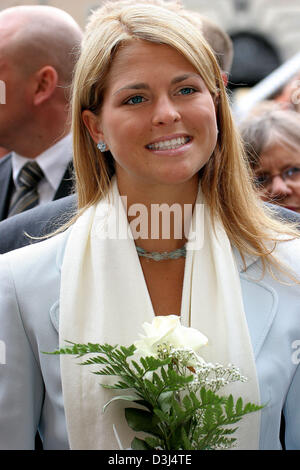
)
(243, 265)
(61, 248)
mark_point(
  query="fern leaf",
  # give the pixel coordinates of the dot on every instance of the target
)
(229, 406)
(239, 406)
(139, 444)
(138, 368)
(154, 442)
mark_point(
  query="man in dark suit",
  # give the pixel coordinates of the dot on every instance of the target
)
(7, 185)
(20, 230)
(39, 47)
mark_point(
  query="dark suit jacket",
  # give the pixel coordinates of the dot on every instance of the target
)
(36, 222)
(7, 184)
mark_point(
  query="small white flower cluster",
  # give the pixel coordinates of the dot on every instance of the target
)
(163, 350)
(208, 375)
(184, 357)
(216, 376)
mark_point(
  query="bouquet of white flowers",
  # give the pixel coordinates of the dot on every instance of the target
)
(174, 388)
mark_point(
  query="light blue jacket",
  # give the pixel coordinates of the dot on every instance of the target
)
(30, 385)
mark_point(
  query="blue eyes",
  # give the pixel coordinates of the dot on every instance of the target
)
(290, 175)
(187, 90)
(137, 99)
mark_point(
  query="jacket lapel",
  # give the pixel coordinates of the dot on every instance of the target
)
(54, 309)
(260, 300)
(260, 303)
(66, 185)
(54, 315)
(6, 185)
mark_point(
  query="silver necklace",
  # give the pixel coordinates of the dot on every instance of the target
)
(159, 256)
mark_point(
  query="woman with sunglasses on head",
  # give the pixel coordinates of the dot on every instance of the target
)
(152, 127)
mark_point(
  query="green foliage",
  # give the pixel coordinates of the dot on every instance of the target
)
(173, 414)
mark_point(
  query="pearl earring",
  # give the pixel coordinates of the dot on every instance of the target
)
(101, 146)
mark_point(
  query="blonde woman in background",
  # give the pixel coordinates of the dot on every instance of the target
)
(151, 125)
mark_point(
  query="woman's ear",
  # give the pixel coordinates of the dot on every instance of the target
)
(92, 124)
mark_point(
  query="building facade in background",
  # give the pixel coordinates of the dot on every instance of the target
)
(265, 33)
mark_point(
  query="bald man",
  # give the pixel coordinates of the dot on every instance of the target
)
(39, 46)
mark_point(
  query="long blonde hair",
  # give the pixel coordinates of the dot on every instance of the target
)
(225, 179)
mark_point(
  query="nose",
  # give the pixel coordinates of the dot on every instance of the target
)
(279, 187)
(165, 112)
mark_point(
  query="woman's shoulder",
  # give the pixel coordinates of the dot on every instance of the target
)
(285, 253)
(288, 251)
(283, 274)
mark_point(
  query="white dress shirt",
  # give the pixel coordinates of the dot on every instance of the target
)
(53, 162)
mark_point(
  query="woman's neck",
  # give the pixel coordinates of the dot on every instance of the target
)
(159, 216)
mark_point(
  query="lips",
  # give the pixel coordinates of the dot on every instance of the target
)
(169, 143)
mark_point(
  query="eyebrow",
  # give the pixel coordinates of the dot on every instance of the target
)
(144, 86)
(181, 78)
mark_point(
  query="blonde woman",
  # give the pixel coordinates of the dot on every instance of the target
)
(152, 128)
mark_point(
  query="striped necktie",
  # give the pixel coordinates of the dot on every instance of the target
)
(26, 195)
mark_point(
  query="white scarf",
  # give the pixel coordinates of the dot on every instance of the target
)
(104, 299)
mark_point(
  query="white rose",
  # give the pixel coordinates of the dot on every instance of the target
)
(168, 329)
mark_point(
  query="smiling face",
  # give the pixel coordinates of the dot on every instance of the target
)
(157, 119)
